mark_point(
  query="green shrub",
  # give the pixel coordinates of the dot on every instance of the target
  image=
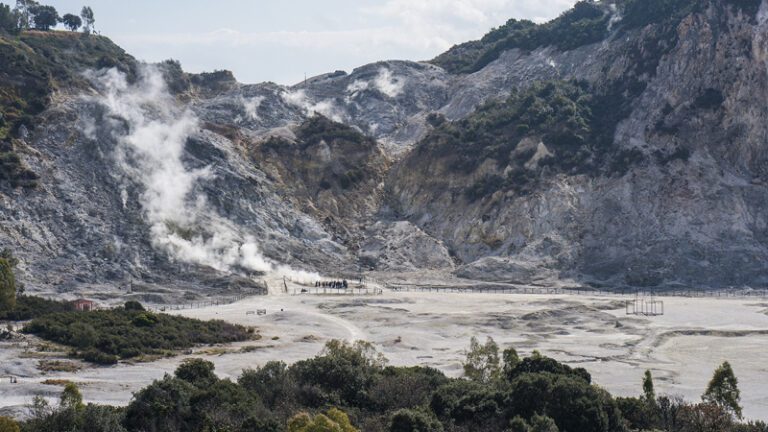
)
(145, 319)
(133, 306)
(28, 307)
(407, 420)
(129, 333)
(7, 286)
(98, 357)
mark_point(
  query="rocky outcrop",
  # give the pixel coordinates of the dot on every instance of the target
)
(401, 246)
(689, 208)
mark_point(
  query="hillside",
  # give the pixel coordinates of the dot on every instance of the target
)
(621, 144)
(642, 165)
(587, 23)
(36, 65)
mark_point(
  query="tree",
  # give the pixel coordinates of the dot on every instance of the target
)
(196, 371)
(541, 423)
(163, 406)
(72, 22)
(511, 359)
(518, 424)
(723, 390)
(409, 420)
(133, 305)
(705, 417)
(271, 382)
(71, 398)
(44, 17)
(334, 420)
(482, 362)
(648, 391)
(9, 19)
(342, 372)
(23, 13)
(7, 286)
(87, 15)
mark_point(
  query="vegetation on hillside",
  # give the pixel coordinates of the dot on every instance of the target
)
(574, 123)
(352, 148)
(36, 64)
(349, 387)
(104, 336)
(586, 23)
(9, 288)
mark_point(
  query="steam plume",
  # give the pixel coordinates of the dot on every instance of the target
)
(151, 133)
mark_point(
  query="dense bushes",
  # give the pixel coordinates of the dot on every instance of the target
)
(348, 388)
(104, 336)
(28, 307)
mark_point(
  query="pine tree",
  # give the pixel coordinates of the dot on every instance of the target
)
(723, 389)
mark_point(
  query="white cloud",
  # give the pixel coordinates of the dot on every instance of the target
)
(382, 30)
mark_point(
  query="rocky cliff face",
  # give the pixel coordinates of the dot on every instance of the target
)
(688, 206)
(633, 155)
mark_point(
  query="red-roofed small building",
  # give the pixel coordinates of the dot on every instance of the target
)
(83, 305)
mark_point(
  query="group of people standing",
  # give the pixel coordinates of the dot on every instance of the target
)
(332, 284)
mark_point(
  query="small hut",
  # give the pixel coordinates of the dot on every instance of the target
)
(83, 305)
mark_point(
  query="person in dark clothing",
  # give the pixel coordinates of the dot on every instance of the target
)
(345, 284)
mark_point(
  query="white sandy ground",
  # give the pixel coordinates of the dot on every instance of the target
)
(682, 348)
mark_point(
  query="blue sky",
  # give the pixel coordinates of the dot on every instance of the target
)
(281, 40)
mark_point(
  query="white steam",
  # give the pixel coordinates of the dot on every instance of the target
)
(615, 17)
(299, 99)
(151, 133)
(385, 82)
(388, 84)
(251, 106)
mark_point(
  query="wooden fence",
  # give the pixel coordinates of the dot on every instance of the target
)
(220, 301)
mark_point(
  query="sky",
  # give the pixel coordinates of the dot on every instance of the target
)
(282, 40)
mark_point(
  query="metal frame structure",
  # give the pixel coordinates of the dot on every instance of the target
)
(644, 305)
